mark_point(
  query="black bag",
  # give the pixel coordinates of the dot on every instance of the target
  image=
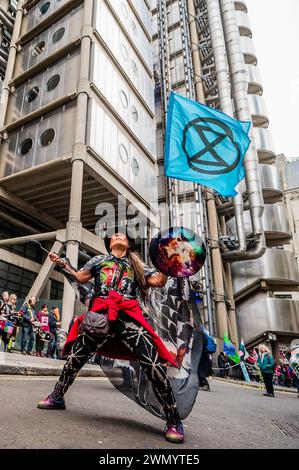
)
(95, 324)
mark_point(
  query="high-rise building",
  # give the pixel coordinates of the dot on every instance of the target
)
(77, 131)
(82, 121)
(204, 50)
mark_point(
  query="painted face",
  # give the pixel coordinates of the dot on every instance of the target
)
(119, 239)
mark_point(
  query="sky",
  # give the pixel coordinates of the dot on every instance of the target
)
(275, 31)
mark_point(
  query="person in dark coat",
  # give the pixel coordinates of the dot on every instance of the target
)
(29, 316)
(223, 364)
(204, 368)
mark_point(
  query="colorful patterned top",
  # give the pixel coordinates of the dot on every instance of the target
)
(112, 273)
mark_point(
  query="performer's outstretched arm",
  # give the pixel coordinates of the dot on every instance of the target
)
(156, 280)
(80, 276)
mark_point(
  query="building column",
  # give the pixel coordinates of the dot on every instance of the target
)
(11, 62)
(74, 225)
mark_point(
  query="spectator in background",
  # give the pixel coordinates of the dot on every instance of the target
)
(43, 318)
(4, 299)
(54, 322)
(5, 313)
(267, 365)
(12, 303)
(29, 316)
(223, 364)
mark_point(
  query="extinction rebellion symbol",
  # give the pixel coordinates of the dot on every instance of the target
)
(210, 133)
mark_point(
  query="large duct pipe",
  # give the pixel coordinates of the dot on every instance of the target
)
(4, 18)
(224, 91)
(239, 85)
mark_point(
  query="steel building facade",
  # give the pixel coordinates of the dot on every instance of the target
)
(206, 52)
(77, 127)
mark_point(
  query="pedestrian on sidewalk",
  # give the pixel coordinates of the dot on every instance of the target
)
(223, 364)
(43, 318)
(13, 314)
(205, 364)
(5, 314)
(54, 318)
(267, 365)
(29, 316)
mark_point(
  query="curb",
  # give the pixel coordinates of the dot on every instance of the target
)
(46, 371)
(253, 385)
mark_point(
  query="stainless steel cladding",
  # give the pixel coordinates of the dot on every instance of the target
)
(260, 315)
(112, 144)
(129, 58)
(54, 38)
(118, 92)
(254, 80)
(108, 27)
(143, 12)
(40, 12)
(264, 145)
(275, 223)
(248, 50)
(56, 81)
(243, 23)
(279, 266)
(271, 183)
(258, 111)
(241, 5)
(41, 141)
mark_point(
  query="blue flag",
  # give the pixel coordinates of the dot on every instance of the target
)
(204, 145)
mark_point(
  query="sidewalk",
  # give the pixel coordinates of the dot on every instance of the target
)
(259, 385)
(19, 364)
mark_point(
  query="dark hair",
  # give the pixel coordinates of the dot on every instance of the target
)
(44, 306)
(138, 267)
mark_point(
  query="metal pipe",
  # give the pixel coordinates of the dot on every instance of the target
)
(171, 183)
(224, 91)
(10, 62)
(27, 238)
(239, 83)
(5, 20)
(74, 224)
(201, 214)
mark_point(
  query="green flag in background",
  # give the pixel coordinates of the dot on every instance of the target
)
(230, 349)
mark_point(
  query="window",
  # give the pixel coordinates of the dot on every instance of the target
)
(124, 99)
(28, 250)
(123, 153)
(134, 27)
(53, 82)
(134, 68)
(135, 115)
(135, 167)
(26, 146)
(47, 137)
(44, 8)
(56, 290)
(39, 48)
(124, 51)
(124, 10)
(15, 280)
(58, 35)
(32, 94)
(283, 296)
